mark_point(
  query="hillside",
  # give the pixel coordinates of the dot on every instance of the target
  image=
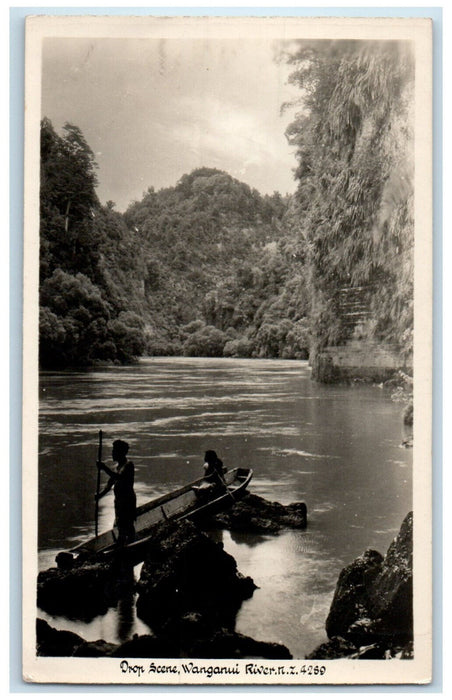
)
(218, 276)
(206, 267)
(210, 267)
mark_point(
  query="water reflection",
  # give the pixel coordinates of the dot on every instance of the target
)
(248, 539)
(124, 576)
(126, 615)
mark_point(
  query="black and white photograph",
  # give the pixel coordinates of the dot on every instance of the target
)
(227, 351)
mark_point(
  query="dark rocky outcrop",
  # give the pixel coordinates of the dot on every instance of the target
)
(351, 598)
(94, 649)
(52, 642)
(254, 514)
(83, 592)
(336, 648)
(147, 646)
(391, 595)
(187, 572)
(223, 644)
(189, 591)
(371, 615)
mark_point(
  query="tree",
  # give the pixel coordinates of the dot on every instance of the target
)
(207, 342)
(73, 320)
(90, 292)
(68, 201)
(238, 347)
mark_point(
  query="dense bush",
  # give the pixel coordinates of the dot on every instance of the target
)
(210, 267)
(88, 297)
(76, 327)
(206, 342)
(217, 254)
(73, 320)
(238, 347)
(354, 202)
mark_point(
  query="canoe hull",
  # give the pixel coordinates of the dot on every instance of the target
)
(192, 501)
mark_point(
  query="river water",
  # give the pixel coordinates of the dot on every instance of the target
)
(338, 448)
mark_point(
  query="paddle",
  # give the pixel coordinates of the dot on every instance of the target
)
(223, 481)
(99, 459)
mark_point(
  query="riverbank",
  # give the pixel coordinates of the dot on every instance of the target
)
(359, 361)
(380, 366)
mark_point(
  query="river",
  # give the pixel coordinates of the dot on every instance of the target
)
(338, 448)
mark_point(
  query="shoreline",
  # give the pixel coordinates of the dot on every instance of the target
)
(189, 588)
(370, 616)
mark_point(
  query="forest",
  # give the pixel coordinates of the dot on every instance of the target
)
(210, 267)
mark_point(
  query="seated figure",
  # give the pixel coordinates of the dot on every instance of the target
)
(213, 468)
(213, 476)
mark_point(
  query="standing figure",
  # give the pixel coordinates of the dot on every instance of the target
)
(122, 482)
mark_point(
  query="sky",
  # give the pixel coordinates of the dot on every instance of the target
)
(155, 109)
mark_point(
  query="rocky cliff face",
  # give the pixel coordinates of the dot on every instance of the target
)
(371, 615)
(358, 360)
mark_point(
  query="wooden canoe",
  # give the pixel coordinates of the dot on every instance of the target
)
(191, 501)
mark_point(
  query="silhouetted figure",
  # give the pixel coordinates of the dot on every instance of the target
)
(213, 468)
(121, 481)
(213, 477)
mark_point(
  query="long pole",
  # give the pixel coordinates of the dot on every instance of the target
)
(99, 459)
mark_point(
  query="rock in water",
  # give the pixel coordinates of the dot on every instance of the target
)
(223, 644)
(255, 514)
(351, 598)
(391, 595)
(371, 615)
(95, 649)
(83, 592)
(52, 642)
(232, 645)
(187, 572)
(146, 646)
(189, 593)
(335, 648)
